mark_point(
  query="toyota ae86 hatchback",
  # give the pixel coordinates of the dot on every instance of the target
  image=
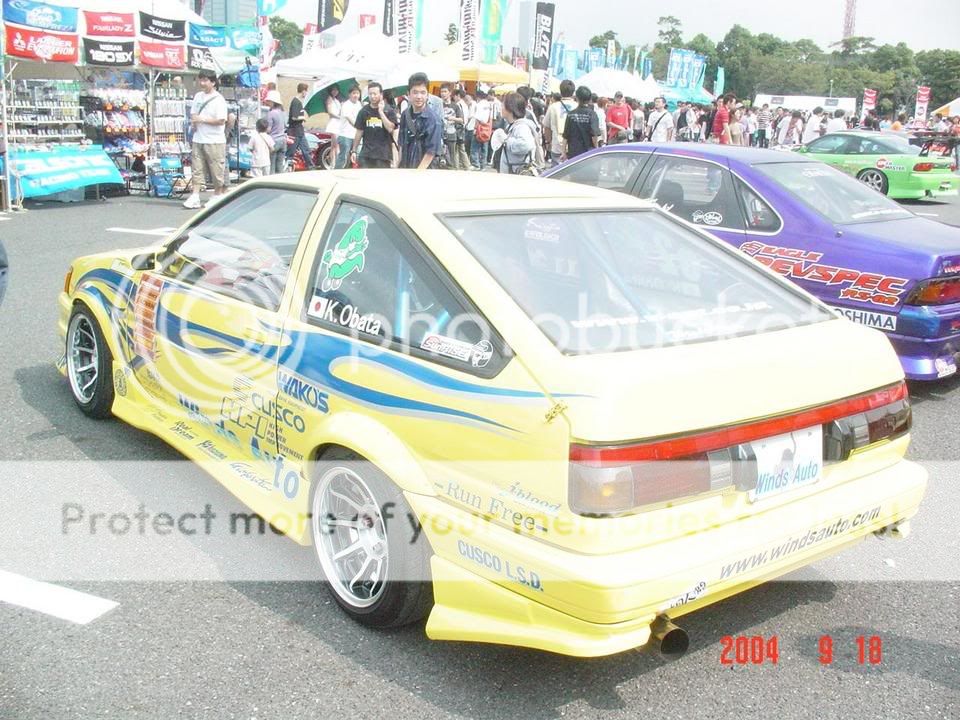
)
(535, 413)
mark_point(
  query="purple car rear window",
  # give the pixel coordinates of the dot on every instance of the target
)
(838, 197)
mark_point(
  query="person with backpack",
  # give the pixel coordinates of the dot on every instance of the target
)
(581, 132)
(482, 130)
(556, 119)
(515, 155)
(421, 127)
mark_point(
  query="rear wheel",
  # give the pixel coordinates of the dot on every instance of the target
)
(375, 559)
(874, 179)
(327, 158)
(89, 364)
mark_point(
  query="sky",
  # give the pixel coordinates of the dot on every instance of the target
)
(922, 24)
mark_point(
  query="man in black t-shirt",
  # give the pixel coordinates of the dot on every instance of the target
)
(295, 127)
(581, 129)
(375, 124)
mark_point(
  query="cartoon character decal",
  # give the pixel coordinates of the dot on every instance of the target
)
(346, 257)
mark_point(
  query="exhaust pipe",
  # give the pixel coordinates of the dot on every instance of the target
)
(668, 639)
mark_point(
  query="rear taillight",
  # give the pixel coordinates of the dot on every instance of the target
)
(923, 167)
(936, 291)
(617, 479)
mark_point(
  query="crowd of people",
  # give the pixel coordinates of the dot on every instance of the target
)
(519, 132)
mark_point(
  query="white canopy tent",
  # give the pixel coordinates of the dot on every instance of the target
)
(606, 82)
(951, 109)
(368, 54)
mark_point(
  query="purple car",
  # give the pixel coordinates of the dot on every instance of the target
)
(863, 254)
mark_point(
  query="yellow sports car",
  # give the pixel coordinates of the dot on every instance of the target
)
(541, 414)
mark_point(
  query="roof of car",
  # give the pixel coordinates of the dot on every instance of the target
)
(442, 191)
(745, 155)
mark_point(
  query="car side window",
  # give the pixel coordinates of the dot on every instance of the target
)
(697, 191)
(829, 145)
(243, 249)
(370, 282)
(759, 215)
(867, 146)
(609, 170)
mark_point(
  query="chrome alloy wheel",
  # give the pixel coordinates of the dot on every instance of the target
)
(872, 179)
(350, 537)
(83, 357)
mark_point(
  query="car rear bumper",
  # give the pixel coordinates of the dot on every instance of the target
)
(927, 341)
(494, 585)
(930, 185)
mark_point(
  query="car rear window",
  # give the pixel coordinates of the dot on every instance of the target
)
(607, 281)
(838, 197)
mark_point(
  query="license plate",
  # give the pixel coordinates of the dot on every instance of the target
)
(787, 462)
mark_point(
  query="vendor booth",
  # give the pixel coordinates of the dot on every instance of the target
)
(95, 98)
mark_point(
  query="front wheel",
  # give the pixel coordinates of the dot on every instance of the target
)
(327, 158)
(89, 364)
(874, 179)
(373, 554)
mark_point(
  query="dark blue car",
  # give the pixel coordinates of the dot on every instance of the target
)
(874, 261)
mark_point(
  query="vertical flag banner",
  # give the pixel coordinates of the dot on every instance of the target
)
(469, 16)
(647, 65)
(418, 18)
(869, 101)
(698, 71)
(556, 55)
(611, 52)
(405, 24)
(923, 100)
(311, 37)
(543, 35)
(389, 18)
(265, 8)
(571, 64)
(720, 83)
(330, 13)
(491, 28)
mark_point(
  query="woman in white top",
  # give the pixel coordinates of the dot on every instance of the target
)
(334, 109)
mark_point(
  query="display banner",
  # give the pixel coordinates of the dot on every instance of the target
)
(720, 83)
(556, 55)
(269, 7)
(491, 28)
(389, 18)
(543, 35)
(109, 24)
(63, 168)
(330, 13)
(869, 101)
(405, 25)
(200, 58)
(208, 35)
(108, 53)
(163, 55)
(611, 52)
(571, 64)
(647, 66)
(469, 15)
(923, 100)
(311, 37)
(245, 38)
(40, 15)
(40, 45)
(160, 28)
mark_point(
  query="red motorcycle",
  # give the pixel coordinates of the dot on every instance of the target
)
(321, 152)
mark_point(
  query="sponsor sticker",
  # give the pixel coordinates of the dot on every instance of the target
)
(882, 163)
(478, 355)
(877, 320)
(120, 382)
(343, 314)
(944, 367)
(347, 256)
(695, 592)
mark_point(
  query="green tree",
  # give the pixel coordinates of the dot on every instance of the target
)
(289, 35)
(940, 69)
(669, 34)
(600, 41)
(453, 34)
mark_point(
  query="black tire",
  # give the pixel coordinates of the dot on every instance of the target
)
(326, 158)
(874, 179)
(98, 400)
(407, 592)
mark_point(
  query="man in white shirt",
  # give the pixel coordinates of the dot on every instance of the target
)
(837, 123)
(347, 130)
(601, 112)
(482, 117)
(208, 117)
(660, 122)
(811, 131)
(553, 123)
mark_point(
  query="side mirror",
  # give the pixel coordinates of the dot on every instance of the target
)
(144, 261)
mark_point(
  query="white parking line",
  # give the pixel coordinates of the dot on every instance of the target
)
(60, 602)
(139, 231)
(929, 214)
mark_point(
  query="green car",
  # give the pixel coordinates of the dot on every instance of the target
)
(887, 163)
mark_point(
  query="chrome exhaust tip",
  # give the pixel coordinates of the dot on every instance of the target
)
(670, 641)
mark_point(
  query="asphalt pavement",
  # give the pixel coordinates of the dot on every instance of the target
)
(233, 648)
